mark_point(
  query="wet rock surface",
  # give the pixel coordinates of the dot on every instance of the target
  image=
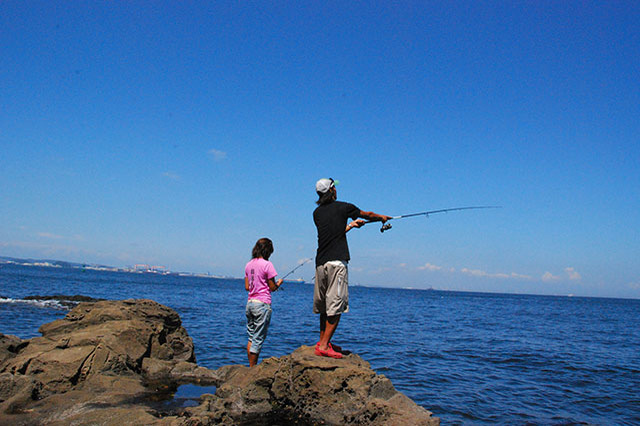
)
(115, 362)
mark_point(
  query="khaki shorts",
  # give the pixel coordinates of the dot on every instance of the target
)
(331, 291)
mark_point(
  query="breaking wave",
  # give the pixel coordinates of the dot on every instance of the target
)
(59, 302)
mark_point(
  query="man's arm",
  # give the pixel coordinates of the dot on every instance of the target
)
(370, 216)
(373, 217)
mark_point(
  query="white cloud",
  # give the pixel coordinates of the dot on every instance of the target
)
(569, 274)
(217, 155)
(50, 235)
(501, 275)
(520, 276)
(380, 270)
(429, 267)
(480, 273)
(573, 274)
(475, 272)
(171, 176)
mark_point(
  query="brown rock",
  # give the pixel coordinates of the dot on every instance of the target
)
(97, 350)
(303, 388)
(107, 362)
(9, 346)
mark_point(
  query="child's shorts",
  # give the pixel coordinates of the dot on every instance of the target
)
(258, 319)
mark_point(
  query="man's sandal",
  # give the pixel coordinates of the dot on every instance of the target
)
(332, 346)
(328, 353)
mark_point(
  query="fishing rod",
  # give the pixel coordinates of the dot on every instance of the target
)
(304, 262)
(387, 226)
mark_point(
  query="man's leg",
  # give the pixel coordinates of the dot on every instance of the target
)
(319, 296)
(323, 325)
(330, 324)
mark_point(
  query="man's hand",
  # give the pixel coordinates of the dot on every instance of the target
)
(358, 223)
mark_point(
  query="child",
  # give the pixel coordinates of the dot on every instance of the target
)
(259, 275)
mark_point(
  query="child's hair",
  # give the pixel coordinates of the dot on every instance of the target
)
(263, 249)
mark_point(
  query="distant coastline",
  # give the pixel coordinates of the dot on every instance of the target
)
(49, 263)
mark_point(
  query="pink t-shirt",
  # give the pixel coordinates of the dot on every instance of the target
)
(258, 271)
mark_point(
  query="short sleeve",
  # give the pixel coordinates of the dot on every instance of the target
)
(271, 271)
(352, 211)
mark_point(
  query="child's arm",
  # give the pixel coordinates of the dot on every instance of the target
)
(246, 283)
(273, 286)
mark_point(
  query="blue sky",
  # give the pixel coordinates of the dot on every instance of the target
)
(178, 133)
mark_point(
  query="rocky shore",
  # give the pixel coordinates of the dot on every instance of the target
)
(118, 362)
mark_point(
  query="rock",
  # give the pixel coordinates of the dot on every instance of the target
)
(17, 391)
(102, 338)
(303, 388)
(108, 362)
(97, 352)
(9, 346)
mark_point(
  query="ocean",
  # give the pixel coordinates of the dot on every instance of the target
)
(470, 358)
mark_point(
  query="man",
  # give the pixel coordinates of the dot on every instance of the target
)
(331, 292)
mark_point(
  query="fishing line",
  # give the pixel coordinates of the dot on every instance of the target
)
(387, 226)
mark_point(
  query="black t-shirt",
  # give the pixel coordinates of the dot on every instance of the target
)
(331, 222)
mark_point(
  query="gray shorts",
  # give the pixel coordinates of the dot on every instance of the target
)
(331, 291)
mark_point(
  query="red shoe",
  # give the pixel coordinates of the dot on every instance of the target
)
(332, 346)
(328, 353)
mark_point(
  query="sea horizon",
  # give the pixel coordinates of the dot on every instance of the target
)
(57, 263)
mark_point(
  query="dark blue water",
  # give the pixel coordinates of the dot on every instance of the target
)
(469, 358)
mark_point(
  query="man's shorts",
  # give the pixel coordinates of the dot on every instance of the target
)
(258, 319)
(331, 291)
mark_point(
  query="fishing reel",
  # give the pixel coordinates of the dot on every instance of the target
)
(385, 227)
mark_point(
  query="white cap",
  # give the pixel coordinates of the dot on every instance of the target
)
(324, 184)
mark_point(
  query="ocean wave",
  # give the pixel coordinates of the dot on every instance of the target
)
(59, 302)
(52, 304)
